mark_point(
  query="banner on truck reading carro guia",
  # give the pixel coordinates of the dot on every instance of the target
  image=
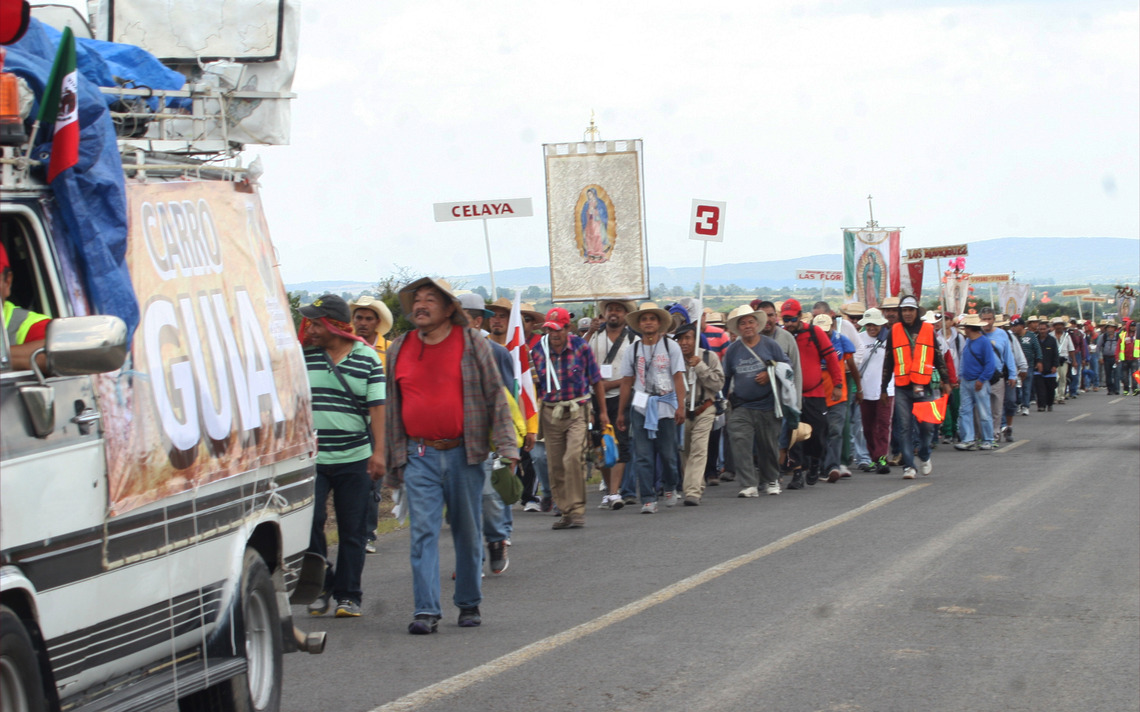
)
(215, 384)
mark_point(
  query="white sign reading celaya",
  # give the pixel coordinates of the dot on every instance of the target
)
(707, 221)
(484, 209)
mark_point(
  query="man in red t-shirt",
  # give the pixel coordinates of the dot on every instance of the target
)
(447, 407)
(815, 349)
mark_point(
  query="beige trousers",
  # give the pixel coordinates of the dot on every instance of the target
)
(565, 436)
(696, 452)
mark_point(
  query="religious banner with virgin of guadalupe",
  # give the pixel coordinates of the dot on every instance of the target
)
(595, 221)
(1012, 298)
(871, 265)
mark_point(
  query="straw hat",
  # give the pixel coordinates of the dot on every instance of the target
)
(715, 318)
(890, 303)
(742, 311)
(377, 306)
(527, 309)
(408, 292)
(872, 316)
(603, 303)
(501, 304)
(664, 318)
(801, 433)
(854, 308)
(971, 320)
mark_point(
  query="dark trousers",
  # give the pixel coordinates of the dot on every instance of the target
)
(877, 415)
(713, 462)
(811, 452)
(529, 480)
(352, 496)
(1046, 391)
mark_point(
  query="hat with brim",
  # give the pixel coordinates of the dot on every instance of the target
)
(1058, 320)
(742, 311)
(1000, 320)
(502, 304)
(407, 294)
(327, 305)
(823, 321)
(854, 308)
(664, 318)
(801, 433)
(971, 320)
(472, 302)
(379, 308)
(527, 309)
(715, 319)
(603, 303)
(872, 316)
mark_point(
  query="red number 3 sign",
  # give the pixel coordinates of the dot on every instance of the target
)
(707, 221)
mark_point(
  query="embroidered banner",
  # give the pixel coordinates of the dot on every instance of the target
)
(1013, 297)
(871, 265)
(595, 221)
(957, 292)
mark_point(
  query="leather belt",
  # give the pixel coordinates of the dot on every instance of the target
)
(438, 444)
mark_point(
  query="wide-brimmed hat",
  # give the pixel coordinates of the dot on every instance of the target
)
(527, 309)
(872, 316)
(501, 304)
(801, 433)
(854, 308)
(407, 293)
(1001, 320)
(971, 320)
(1058, 320)
(890, 303)
(664, 318)
(378, 307)
(329, 305)
(744, 310)
(715, 318)
(603, 303)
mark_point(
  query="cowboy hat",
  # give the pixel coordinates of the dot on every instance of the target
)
(377, 306)
(603, 303)
(664, 318)
(890, 303)
(854, 308)
(407, 293)
(502, 303)
(715, 318)
(527, 309)
(872, 316)
(744, 310)
(971, 320)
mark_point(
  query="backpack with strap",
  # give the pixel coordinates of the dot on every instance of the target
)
(825, 375)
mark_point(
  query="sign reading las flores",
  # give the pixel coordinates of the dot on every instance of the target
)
(483, 209)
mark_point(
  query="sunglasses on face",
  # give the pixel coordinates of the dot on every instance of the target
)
(787, 318)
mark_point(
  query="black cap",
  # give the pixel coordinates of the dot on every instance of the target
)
(329, 305)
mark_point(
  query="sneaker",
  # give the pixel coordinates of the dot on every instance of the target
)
(811, 477)
(469, 617)
(691, 501)
(423, 624)
(649, 508)
(602, 486)
(882, 467)
(1049, 408)
(865, 467)
(347, 609)
(797, 480)
(532, 506)
(748, 492)
(556, 511)
(926, 467)
(909, 473)
(616, 502)
(630, 500)
(833, 476)
(966, 446)
(564, 522)
(670, 498)
(713, 481)
(987, 445)
(607, 502)
(320, 604)
(498, 555)
(895, 460)
(370, 546)
(727, 476)
(1025, 410)
(773, 488)
(1008, 433)
(546, 505)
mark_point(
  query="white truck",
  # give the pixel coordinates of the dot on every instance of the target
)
(156, 492)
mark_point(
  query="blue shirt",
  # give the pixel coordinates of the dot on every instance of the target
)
(998, 338)
(978, 360)
(741, 367)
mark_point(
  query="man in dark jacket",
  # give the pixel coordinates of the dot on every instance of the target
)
(1046, 378)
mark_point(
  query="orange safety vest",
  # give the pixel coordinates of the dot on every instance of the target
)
(913, 365)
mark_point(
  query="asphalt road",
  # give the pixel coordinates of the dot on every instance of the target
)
(1004, 581)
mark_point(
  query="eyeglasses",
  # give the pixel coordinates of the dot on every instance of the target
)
(788, 318)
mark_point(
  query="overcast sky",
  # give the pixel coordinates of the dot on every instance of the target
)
(965, 120)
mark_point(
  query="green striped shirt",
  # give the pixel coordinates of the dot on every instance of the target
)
(342, 429)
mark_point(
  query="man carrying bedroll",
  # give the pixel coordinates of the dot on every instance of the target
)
(347, 381)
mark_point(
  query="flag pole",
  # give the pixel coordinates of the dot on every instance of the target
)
(490, 266)
(700, 314)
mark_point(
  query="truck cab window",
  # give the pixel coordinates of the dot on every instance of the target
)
(28, 302)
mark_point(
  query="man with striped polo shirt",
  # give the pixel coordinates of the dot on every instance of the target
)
(347, 381)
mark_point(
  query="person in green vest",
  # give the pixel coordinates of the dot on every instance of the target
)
(1128, 357)
(25, 328)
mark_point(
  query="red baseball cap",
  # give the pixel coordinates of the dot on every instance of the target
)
(557, 318)
(790, 308)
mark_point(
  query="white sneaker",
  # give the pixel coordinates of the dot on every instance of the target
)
(773, 488)
(843, 471)
(532, 507)
(925, 467)
(649, 508)
(909, 473)
(602, 486)
(670, 498)
(749, 492)
(607, 502)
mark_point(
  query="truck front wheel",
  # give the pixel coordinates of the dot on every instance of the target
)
(259, 689)
(21, 687)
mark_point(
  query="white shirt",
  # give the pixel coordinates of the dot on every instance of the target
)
(871, 351)
(655, 364)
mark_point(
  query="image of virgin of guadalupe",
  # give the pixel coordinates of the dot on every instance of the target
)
(595, 227)
(871, 269)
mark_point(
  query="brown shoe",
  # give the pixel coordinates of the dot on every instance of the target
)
(563, 522)
(834, 476)
(577, 521)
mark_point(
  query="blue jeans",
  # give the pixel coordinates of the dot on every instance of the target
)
(1110, 375)
(904, 418)
(433, 479)
(352, 495)
(495, 512)
(1076, 368)
(645, 452)
(538, 457)
(1027, 389)
(975, 403)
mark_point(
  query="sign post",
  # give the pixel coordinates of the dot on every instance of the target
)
(1079, 293)
(823, 275)
(484, 210)
(1094, 301)
(706, 223)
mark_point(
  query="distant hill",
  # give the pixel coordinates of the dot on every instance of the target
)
(1035, 260)
(1040, 261)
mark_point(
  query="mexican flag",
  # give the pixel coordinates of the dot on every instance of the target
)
(520, 355)
(60, 104)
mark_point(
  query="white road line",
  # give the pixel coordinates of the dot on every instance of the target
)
(526, 653)
(1082, 415)
(1011, 446)
(1115, 400)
